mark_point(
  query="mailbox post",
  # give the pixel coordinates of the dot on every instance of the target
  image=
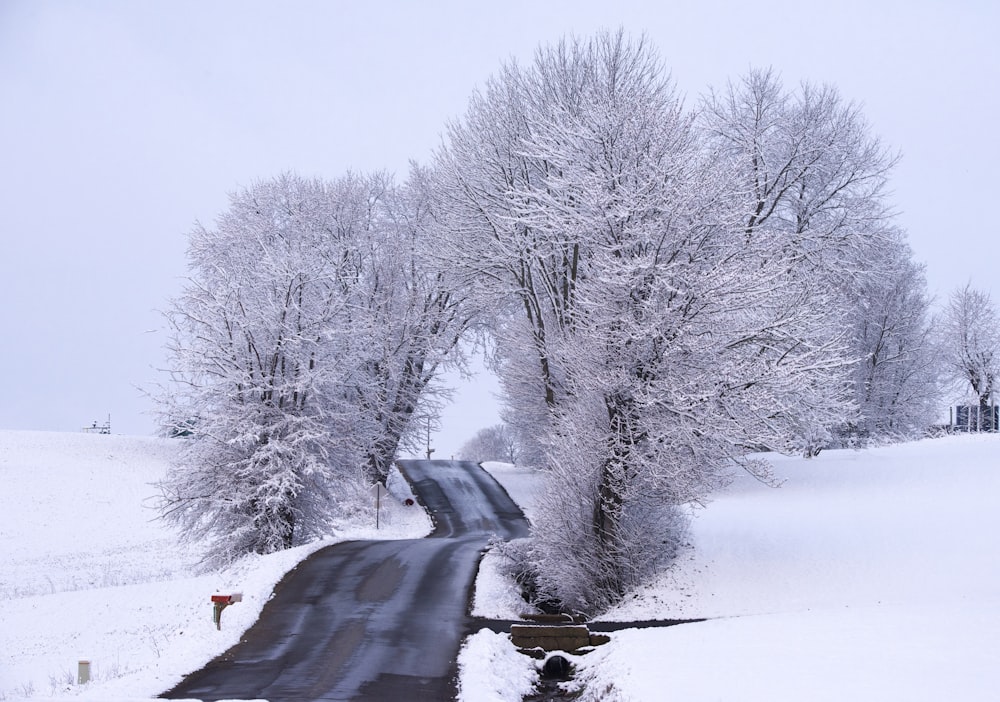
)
(220, 602)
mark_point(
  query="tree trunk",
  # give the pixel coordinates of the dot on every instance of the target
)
(986, 415)
(625, 432)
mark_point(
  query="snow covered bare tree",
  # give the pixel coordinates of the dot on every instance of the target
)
(255, 331)
(970, 347)
(407, 319)
(896, 379)
(665, 328)
(809, 179)
(307, 335)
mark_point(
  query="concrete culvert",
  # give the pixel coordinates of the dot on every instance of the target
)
(557, 668)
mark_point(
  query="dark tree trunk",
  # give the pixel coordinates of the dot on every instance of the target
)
(616, 474)
(986, 416)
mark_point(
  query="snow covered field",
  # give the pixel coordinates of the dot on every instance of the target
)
(89, 573)
(869, 575)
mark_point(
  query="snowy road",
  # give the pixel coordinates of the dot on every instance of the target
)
(372, 620)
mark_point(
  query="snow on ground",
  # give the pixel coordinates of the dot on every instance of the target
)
(522, 484)
(868, 575)
(89, 573)
(494, 596)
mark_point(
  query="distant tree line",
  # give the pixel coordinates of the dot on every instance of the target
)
(495, 443)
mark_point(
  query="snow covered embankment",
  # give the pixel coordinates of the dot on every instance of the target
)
(869, 575)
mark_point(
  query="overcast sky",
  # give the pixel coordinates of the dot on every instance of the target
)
(122, 123)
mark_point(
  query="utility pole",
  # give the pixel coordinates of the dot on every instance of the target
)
(429, 449)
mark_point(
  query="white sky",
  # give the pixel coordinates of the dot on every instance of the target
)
(122, 123)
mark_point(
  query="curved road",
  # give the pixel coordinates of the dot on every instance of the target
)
(372, 620)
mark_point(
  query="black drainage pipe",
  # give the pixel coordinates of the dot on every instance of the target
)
(556, 668)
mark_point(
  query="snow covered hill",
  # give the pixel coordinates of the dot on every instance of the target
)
(90, 573)
(869, 575)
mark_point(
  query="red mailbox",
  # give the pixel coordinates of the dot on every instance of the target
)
(220, 602)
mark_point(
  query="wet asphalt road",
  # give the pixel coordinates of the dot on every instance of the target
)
(372, 620)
